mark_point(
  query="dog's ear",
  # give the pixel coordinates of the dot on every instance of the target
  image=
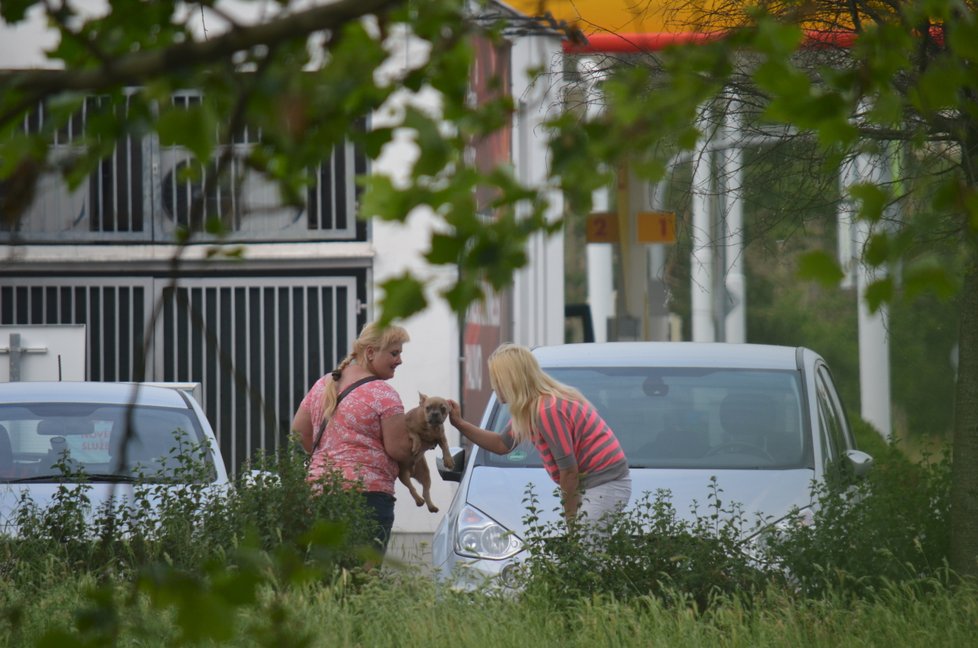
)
(423, 398)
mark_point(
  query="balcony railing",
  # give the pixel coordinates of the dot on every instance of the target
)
(144, 192)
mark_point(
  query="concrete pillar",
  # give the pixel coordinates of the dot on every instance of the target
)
(734, 283)
(600, 280)
(701, 263)
(873, 332)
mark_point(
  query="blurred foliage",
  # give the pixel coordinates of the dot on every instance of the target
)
(791, 204)
(649, 550)
(275, 560)
(892, 527)
(189, 522)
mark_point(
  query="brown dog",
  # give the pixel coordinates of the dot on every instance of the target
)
(425, 426)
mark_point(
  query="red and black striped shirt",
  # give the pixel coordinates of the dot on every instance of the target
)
(572, 433)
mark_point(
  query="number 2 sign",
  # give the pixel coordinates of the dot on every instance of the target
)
(650, 227)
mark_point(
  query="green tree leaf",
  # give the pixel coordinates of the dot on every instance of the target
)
(445, 249)
(13, 11)
(872, 201)
(878, 293)
(403, 296)
(819, 266)
(194, 128)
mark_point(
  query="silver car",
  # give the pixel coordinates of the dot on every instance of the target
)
(765, 421)
(108, 438)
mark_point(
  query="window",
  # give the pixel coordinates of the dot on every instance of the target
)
(689, 418)
(834, 427)
(47, 439)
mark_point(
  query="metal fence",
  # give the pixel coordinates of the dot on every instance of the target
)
(255, 344)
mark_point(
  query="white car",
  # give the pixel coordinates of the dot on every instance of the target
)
(765, 421)
(108, 438)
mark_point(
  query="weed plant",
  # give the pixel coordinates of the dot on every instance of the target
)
(187, 522)
(891, 527)
(275, 561)
(646, 551)
(405, 610)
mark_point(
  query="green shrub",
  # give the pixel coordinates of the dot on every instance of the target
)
(645, 551)
(891, 527)
(275, 505)
(188, 523)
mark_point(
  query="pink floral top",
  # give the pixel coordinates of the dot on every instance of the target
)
(353, 442)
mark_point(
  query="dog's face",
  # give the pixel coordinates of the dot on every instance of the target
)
(435, 409)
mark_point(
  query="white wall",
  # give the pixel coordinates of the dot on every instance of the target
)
(22, 45)
(43, 352)
(538, 291)
(431, 358)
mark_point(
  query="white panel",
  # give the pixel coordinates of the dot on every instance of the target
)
(43, 352)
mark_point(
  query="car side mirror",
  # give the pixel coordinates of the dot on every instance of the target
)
(454, 474)
(859, 463)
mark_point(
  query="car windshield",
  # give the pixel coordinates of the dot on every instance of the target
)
(52, 441)
(688, 418)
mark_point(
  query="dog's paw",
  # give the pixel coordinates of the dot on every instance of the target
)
(449, 463)
(432, 508)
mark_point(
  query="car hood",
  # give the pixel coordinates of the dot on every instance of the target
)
(761, 494)
(98, 493)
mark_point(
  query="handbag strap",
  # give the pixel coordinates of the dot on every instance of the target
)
(343, 394)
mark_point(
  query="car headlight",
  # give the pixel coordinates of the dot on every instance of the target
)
(479, 536)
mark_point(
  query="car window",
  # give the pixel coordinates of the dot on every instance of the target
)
(702, 418)
(48, 438)
(834, 427)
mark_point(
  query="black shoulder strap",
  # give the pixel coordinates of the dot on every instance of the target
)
(346, 391)
(343, 394)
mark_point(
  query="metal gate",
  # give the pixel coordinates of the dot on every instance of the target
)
(255, 344)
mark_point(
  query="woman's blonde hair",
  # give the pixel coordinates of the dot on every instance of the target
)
(517, 378)
(372, 336)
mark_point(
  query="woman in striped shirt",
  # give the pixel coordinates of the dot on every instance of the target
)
(579, 450)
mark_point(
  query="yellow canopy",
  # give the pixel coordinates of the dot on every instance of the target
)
(663, 17)
(610, 16)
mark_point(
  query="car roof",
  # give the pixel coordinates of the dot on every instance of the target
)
(671, 354)
(90, 392)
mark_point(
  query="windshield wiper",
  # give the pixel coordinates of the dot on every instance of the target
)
(78, 478)
(111, 477)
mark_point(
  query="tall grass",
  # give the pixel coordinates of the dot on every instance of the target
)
(278, 563)
(410, 610)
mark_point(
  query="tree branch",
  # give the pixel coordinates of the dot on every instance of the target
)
(138, 67)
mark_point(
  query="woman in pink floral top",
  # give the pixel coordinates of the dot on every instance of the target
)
(365, 435)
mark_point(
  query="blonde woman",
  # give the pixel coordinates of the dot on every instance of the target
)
(352, 421)
(579, 450)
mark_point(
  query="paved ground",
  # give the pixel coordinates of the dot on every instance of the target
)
(412, 549)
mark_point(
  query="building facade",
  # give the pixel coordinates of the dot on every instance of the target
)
(259, 314)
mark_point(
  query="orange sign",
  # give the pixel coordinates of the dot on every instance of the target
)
(656, 227)
(602, 227)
